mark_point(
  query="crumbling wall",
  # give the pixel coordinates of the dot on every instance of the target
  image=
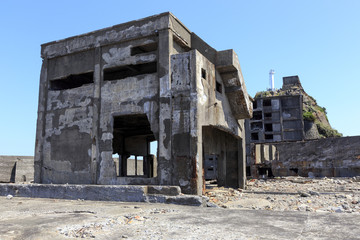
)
(331, 157)
(124, 94)
(199, 99)
(68, 126)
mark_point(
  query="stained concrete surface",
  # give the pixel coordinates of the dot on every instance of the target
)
(29, 218)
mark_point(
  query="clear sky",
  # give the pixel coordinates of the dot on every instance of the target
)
(318, 40)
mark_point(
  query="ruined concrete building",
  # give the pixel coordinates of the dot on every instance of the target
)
(290, 134)
(107, 96)
(277, 118)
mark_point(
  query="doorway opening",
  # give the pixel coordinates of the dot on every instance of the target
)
(134, 146)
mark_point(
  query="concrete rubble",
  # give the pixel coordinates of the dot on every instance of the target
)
(334, 195)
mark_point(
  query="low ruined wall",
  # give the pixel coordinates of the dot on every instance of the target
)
(331, 157)
(16, 168)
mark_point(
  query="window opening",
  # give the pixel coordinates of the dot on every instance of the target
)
(255, 104)
(218, 87)
(267, 115)
(269, 137)
(203, 73)
(267, 102)
(129, 71)
(72, 81)
(268, 127)
(151, 47)
(256, 126)
(257, 115)
(254, 136)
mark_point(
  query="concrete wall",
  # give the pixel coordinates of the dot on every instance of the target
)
(16, 169)
(330, 157)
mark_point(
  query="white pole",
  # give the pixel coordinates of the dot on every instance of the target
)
(271, 79)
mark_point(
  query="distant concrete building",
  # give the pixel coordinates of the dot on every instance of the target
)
(106, 96)
(279, 142)
(276, 118)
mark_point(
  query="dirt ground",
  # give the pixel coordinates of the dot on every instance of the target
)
(339, 195)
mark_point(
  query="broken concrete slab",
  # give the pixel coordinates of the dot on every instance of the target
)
(121, 193)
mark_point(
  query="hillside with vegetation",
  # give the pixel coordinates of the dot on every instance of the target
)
(315, 117)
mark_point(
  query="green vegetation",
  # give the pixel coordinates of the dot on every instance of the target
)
(263, 94)
(308, 116)
(327, 131)
(312, 99)
(321, 109)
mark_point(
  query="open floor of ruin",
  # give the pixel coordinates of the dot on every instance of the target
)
(31, 218)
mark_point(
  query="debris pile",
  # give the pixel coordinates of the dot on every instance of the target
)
(340, 195)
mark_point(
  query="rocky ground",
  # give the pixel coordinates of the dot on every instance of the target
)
(335, 195)
(36, 218)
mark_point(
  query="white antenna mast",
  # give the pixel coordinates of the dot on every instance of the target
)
(271, 79)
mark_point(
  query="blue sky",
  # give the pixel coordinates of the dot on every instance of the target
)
(318, 40)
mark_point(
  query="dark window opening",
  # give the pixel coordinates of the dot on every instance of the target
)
(267, 102)
(203, 73)
(72, 81)
(134, 151)
(218, 87)
(269, 136)
(256, 126)
(257, 115)
(255, 104)
(265, 171)
(129, 71)
(267, 115)
(295, 170)
(151, 47)
(268, 127)
(254, 136)
(248, 171)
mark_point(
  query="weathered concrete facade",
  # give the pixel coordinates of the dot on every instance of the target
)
(327, 157)
(119, 89)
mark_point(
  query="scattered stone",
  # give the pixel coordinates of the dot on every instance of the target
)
(314, 193)
(213, 205)
(9, 196)
(304, 194)
(317, 195)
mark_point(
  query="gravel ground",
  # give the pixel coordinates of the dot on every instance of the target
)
(336, 195)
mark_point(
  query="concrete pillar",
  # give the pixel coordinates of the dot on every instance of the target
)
(242, 163)
(95, 153)
(164, 145)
